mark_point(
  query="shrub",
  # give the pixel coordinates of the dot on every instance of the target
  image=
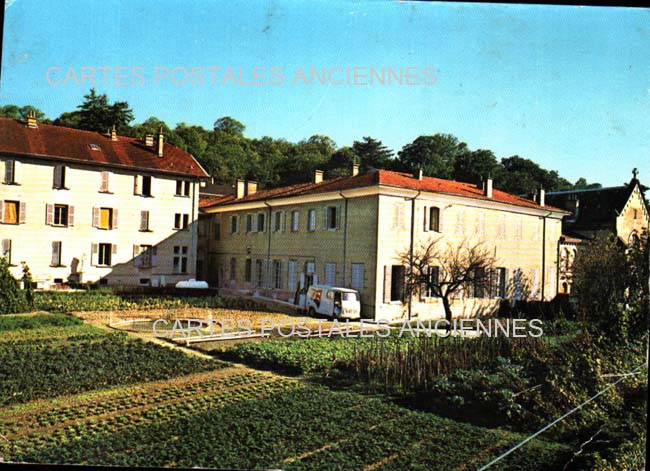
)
(12, 298)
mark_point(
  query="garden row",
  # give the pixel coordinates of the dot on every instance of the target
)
(36, 364)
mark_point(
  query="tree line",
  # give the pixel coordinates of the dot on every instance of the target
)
(227, 154)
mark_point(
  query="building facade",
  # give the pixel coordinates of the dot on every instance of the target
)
(621, 211)
(351, 232)
(85, 207)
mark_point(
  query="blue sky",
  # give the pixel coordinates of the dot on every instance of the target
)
(568, 87)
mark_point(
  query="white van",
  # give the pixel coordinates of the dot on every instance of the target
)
(333, 302)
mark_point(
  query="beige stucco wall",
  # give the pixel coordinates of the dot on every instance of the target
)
(32, 241)
(627, 223)
(375, 238)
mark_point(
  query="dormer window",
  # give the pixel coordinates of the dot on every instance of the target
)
(94, 147)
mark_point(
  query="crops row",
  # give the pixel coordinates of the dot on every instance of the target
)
(299, 428)
(43, 368)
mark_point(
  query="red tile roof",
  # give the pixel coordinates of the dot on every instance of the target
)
(66, 144)
(379, 177)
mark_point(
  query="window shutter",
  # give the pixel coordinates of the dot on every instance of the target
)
(136, 257)
(6, 246)
(56, 250)
(9, 171)
(326, 221)
(144, 220)
(2, 211)
(114, 221)
(70, 215)
(283, 222)
(49, 214)
(114, 248)
(94, 249)
(387, 283)
(136, 185)
(154, 256)
(104, 186)
(253, 223)
(338, 216)
(95, 217)
(18, 171)
(58, 174)
(425, 219)
(23, 213)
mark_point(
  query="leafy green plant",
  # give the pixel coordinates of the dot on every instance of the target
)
(12, 298)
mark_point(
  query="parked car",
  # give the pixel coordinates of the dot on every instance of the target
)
(192, 284)
(333, 301)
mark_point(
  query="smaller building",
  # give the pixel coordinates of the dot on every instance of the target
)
(620, 210)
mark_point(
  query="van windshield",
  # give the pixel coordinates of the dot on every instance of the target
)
(350, 296)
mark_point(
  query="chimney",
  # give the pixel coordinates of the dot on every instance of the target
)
(355, 170)
(251, 188)
(148, 140)
(418, 174)
(161, 142)
(113, 134)
(318, 176)
(31, 120)
(542, 197)
(487, 187)
(241, 188)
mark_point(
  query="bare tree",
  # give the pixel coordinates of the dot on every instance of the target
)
(446, 271)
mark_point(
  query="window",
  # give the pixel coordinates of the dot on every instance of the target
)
(248, 270)
(104, 255)
(56, 254)
(217, 230)
(311, 223)
(331, 216)
(146, 186)
(181, 221)
(633, 239)
(105, 218)
(292, 276)
(6, 250)
(358, 276)
(59, 177)
(13, 212)
(330, 274)
(233, 269)
(393, 283)
(635, 213)
(277, 274)
(431, 278)
(60, 215)
(180, 259)
(234, 224)
(434, 219)
(143, 256)
(398, 216)
(249, 223)
(94, 147)
(10, 172)
(477, 286)
(260, 222)
(295, 221)
(278, 221)
(104, 185)
(142, 185)
(259, 272)
(144, 221)
(182, 188)
(499, 282)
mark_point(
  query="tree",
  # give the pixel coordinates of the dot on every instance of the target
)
(581, 184)
(229, 126)
(18, 112)
(96, 114)
(340, 164)
(435, 155)
(457, 267)
(373, 154)
(610, 281)
(475, 165)
(12, 298)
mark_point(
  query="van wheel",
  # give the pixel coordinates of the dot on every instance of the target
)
(312, 312)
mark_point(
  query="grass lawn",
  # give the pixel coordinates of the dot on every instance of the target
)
(108, 399)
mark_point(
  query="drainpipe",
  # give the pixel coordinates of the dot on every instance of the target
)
(268, 251)
(412, 242)
(544, 254)
(345, 238)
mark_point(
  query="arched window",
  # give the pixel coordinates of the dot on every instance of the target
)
(633, 239)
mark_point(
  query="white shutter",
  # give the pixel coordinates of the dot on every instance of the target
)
(70, 215)
(338, 216)
(137, 260)
(114, 221)
(105, 181)
(2, 211)
(137, 185)
(154, 256)
(291, 276)
(49, 214)
(425, 219)
(387, 283)
(22, 216)
(94, 250)
(56, 254)
(95, 217)
(9, 171)
(358, 276)
(326, 222)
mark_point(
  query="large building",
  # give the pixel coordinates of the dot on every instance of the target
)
(79, 206)
(621, 211)
(350, 231)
